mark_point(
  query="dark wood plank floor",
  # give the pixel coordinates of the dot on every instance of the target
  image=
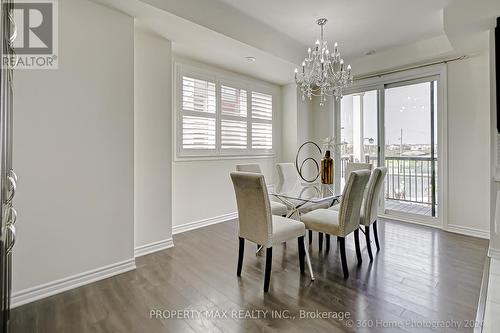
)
(421, 274)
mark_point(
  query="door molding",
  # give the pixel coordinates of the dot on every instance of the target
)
(439, 71)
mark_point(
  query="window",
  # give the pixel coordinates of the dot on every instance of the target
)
(233, 118)
(218, 118)
(262, 121)
(398, 120)
(198, 114)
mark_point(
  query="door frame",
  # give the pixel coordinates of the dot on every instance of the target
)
(379, 83)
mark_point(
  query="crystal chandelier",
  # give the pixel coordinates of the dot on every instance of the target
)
(323, 73)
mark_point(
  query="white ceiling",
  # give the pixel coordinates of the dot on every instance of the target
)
(278, 32)
(196, 41)
(358, 25)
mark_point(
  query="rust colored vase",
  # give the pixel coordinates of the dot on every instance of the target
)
(327, 169)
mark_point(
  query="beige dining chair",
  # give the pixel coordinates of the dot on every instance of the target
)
(258, 225)
(369, 208)
(277, 208)
(350, 167)
(288, 173)
(344, 221)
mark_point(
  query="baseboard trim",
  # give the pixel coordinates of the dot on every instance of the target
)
(483, 293)
(456, 229)
(58, 286)
(177, 229)
(485, 234)
(153, 247)
(494, 253)
(405, 219)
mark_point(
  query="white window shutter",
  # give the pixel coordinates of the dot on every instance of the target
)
(215, 119)
(198, 133)
(262, 117)
(233, 101)
(198, 114)
(198, 95)
(262, 136)
(233, 118)
(262, 106)
(233, 134)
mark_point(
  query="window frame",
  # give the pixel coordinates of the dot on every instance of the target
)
(436, 72)
(180, 154)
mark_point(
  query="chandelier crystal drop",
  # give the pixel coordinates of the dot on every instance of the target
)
(323, 72)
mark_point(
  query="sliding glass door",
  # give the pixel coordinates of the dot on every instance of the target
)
(410, 149)
(394, 122)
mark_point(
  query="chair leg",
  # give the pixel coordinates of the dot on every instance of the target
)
(310, 237)
(358, 249)
(267, 275)
(320, 241)
(240, 255)
(343, 258)
(302, 253)
(327, 237)
(368, 242)
(375, 232)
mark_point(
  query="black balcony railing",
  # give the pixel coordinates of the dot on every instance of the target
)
(409, 178)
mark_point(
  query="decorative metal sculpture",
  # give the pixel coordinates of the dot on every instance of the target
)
(299, 169)
(328, 143)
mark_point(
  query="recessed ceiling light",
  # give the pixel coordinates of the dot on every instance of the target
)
(250, 59)
(370, 52)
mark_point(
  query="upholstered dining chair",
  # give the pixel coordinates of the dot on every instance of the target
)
(350, 167)
(277, 208)
(344, 221)
(258, 225)
(369, 208)
(288, 173)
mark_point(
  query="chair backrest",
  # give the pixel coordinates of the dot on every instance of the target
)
(287, 172)
(254, 208)
(255, 168)
(369, 208)
(350, 167)
(352, 198)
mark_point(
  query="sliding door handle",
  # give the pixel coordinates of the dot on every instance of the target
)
(13, 174)
(12, 188)
(12, 242)
(10, 216)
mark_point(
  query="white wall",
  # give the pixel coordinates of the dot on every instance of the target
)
(73, 150)
(299, 122)
(322, 120)
(152, 139)
(469, 143)
(201, 189)
(495, 160)
(289, 121)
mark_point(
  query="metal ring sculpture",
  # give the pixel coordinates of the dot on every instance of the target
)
(299, 169)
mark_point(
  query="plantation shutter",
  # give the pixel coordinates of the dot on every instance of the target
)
(262, 117)
(198, 114)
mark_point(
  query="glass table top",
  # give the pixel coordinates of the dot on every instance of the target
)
(305, 192)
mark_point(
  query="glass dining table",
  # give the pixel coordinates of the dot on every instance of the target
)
(299, 196)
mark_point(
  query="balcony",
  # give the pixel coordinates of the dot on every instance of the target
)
(410, 183)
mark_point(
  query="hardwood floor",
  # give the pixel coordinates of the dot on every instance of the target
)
(420, 274)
